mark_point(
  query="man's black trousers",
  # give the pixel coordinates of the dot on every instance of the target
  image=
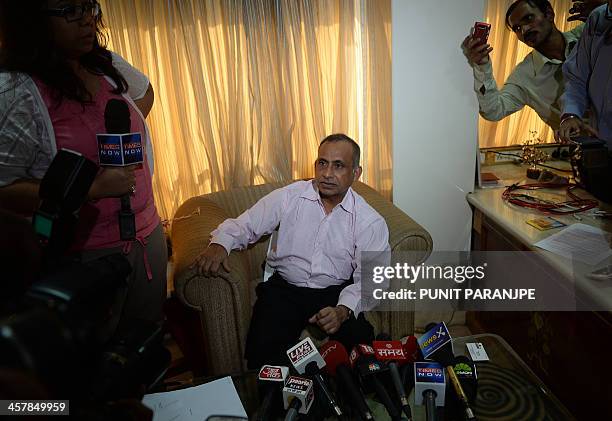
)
(282, 311)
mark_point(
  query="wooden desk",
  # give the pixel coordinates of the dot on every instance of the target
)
(569, 351)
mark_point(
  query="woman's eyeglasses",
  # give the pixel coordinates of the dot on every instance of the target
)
(75, 13)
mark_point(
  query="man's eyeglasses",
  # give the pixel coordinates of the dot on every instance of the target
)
(75, 13)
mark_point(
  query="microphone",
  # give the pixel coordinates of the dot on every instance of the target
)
(362, 358)
(118, 147)
(270, 377)
(298, 395)
(337, 364)
(306, 360)
(392, 351)
(465, 369)
(436, 344)
(430, 384)
(413, 354)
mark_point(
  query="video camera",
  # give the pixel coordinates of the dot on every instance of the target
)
(592, 167)
(59, 331)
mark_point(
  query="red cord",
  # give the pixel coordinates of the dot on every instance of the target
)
(520, 199)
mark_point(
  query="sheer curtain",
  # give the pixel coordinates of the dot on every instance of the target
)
(507, 53)
(245, 90)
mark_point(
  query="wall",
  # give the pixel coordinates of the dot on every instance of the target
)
(435, 116)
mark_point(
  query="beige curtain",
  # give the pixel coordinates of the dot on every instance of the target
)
(507, 53)
(245, 90)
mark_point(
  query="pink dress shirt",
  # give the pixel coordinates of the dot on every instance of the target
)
(313, 249)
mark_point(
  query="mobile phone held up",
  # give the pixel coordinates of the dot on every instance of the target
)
(481, 31)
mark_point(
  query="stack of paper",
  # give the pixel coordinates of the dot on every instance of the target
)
(580, 242)
(196, 403)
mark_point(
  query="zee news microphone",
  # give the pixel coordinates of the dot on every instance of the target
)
(436, 344)
(120, 148)
(298, 395)
(392, 352)
(306, 360)
(270, 378)
(337, 365)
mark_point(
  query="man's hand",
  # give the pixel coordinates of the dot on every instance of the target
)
(475, 51)
(581, 9)
(211, 259)
(330, 318)
(571, 127)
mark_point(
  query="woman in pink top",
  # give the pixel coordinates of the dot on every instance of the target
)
(59, 45)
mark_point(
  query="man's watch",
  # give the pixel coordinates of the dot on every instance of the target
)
(350, 312)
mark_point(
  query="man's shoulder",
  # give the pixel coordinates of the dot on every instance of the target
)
(14, 83)
(597, 24)
(364, 211)
(297, 187)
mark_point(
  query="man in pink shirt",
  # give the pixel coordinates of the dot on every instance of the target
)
(323, 226)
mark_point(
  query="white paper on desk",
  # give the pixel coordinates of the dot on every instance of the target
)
(196, 403)
(580, 242)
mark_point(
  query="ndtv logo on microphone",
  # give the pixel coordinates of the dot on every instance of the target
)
(328, 350)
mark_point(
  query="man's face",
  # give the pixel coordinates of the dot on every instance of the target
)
(530, 24)
(334, 172)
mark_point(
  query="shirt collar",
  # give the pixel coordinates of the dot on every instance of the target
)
(608, 12)
(539, 59)
(312, 193)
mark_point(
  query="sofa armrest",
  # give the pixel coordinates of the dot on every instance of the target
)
(405, 235)
(223, 301)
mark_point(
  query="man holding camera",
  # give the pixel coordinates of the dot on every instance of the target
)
(588, 75)
(538, 80)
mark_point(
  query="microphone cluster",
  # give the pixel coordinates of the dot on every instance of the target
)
(331, 382)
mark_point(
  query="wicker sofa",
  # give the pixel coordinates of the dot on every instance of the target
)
(223, 303)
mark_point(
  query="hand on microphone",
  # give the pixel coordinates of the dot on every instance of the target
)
(113, 182)
(211, 260)
(330, 318)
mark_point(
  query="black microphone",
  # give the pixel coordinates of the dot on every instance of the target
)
(393, 352)
(337, 365)
(436, 344)
(429, 387)
(117, 121)
(271, 378)
(305, 358)
(298, 395)
(362, 358)
(465, 369)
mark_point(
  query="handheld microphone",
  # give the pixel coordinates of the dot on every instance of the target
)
(429, 387)
(337, 365)
(362, 358)
(298, 395)
(436, 344)
(270, 377)
(119, 147)
(306, 359)
(392, 352)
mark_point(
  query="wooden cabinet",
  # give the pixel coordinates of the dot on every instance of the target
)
(569, 351)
